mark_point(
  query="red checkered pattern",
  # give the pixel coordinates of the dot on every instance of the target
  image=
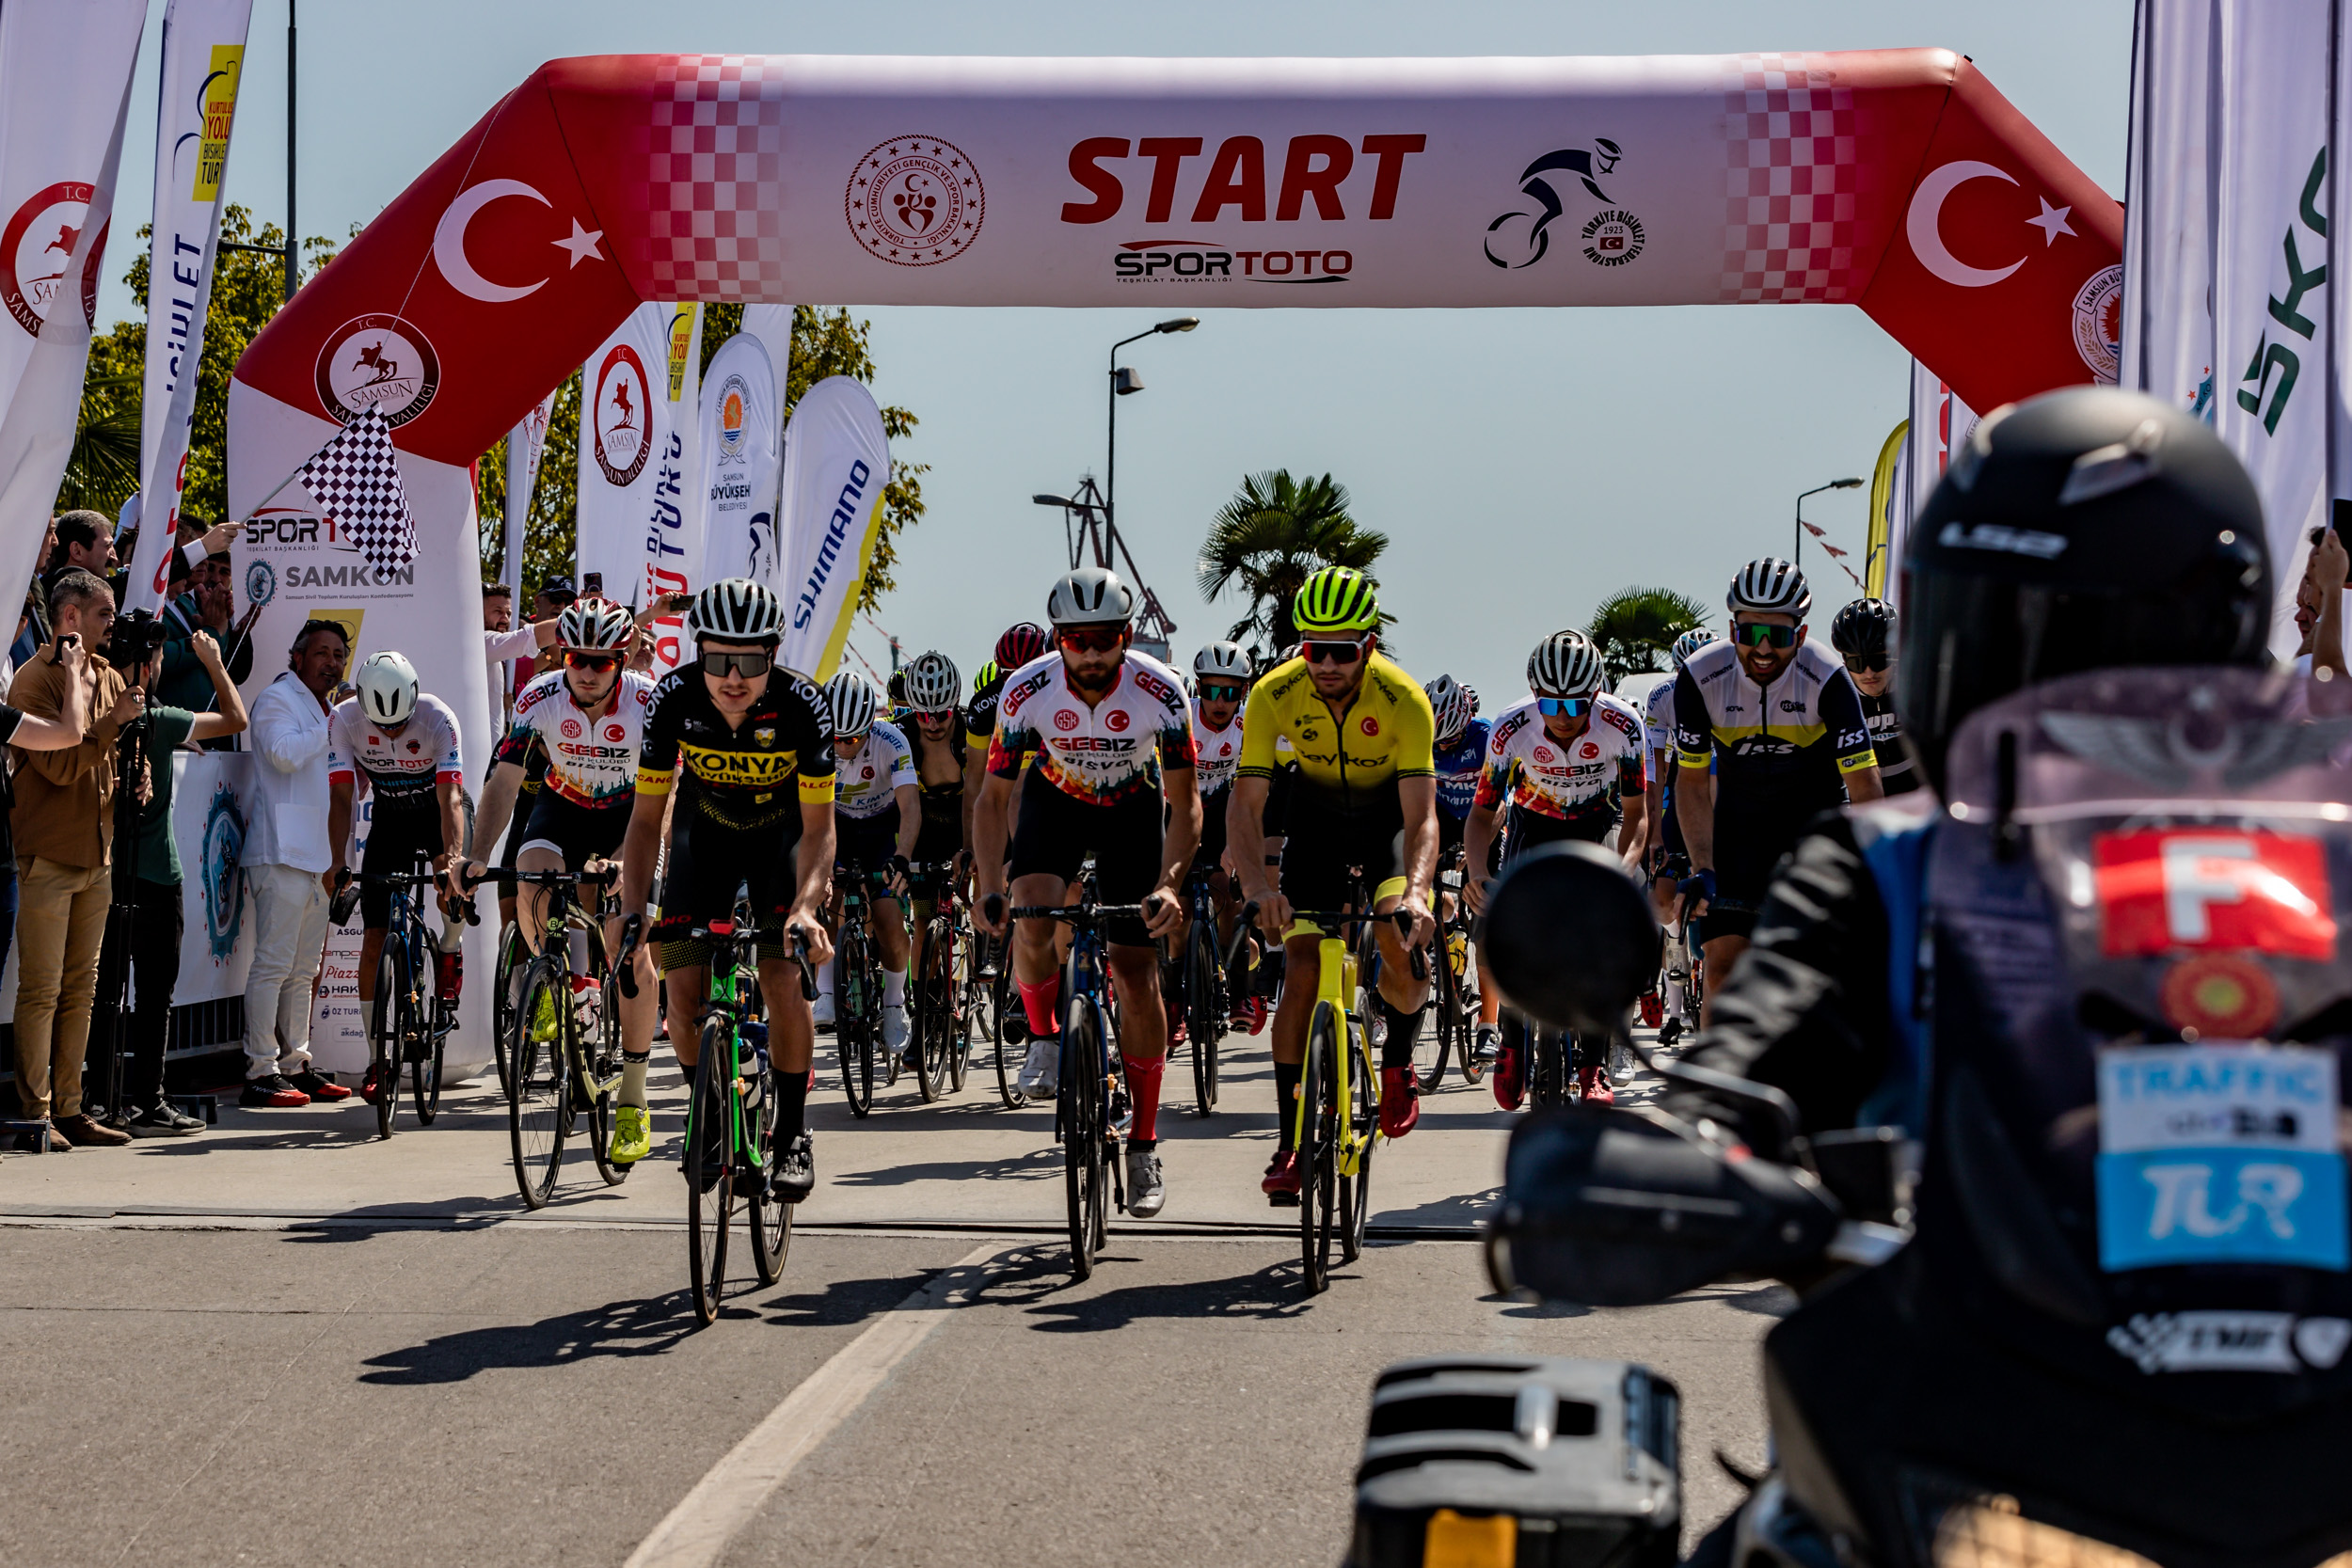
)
(1794, 184)
(714, 193)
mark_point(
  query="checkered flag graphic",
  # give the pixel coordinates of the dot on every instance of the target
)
(355, 480)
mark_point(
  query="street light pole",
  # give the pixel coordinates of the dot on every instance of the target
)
(1797, 558)
(1122, 383)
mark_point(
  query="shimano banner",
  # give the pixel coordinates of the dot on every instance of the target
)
(197, 104)
(836, 462)
(741, 451)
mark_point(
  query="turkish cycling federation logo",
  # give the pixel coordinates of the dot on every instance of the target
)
(915, 201)
(37, 249)
(1520, 237)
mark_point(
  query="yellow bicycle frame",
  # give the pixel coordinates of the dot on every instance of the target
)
(1335, 987)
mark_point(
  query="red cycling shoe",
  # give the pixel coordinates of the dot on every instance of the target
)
(1249, 1013)
(1592, 1087)
(1509, 1077)
(1282, 1183)
(1400, 1101)
(371, 1087)
(1653, 1010)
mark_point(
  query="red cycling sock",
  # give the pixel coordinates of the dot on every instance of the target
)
(1037, 1001)
(1143, 1091)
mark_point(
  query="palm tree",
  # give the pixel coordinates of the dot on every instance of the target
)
(103, 467)
(1270, 538)
(1635, 629)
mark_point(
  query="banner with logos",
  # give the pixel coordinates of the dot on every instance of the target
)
(1882, 568)
(203, 58)
(836, 459)
(1939, 423)
(2167, 336)
(65, 86)
(671, 523)
(625, 412)
(742, 457)
(525, 445)
(2271, 297)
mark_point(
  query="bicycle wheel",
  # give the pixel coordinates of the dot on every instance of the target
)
(600, 1058)
(1205, 993)
(383, 1025)
(1551, 1067)
(1430, 1046)
(539, 1082)
(512, 955)
(710, 1173)
(1363, 1116)
(1004, 1007)
(425, 1042)
(1082, 1129)
(768, 1217)
(934, 1012)
(1317, 1157)
(960, 1029)
(853, 1023)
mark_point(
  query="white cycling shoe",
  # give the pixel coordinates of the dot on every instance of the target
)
(1147, 1192)
(820, 1010)
(1041, 1075)
(894, 1025)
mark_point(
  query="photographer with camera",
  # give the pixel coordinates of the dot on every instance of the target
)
(62, 824)
(144, 926)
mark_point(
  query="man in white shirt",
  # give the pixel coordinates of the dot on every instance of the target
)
(289, 864)
(502, 643)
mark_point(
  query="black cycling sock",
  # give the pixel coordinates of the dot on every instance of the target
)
(1403, 1029)
(791, 1104)
(1286, 1075)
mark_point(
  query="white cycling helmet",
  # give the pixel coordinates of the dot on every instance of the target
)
(1770, 586)
(1449, 707)
(1690, 642)
(736, 610)
(386, 684)
(1223, 661)
(852, 701)
(934, 683)
(1565, 664)
(594, 624)
(1090, 596)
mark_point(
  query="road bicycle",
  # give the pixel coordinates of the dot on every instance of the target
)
(938, 995)
(1453, 1001)
(1009, 1025)
(858, 992)
(409, 1022)
(1193, 982)
(731, 1149)
(562, 1065)
(512, 953)
(1084, 1118)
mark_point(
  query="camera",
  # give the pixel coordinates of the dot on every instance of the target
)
(135, 636)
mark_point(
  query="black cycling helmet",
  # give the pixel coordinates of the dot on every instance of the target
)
(1863, 629)
(2082, 529)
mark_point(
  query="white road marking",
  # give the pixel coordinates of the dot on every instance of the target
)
(698, 1529)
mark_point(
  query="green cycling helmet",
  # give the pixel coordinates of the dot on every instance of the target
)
(1336, 599)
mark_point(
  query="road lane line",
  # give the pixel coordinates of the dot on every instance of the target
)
(698, 1529)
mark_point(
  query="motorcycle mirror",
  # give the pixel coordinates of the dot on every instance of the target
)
(1608, 1207)
(1571, 940)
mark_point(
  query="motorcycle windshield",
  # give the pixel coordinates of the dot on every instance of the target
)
(2191, 831)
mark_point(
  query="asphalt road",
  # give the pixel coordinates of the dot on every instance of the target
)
(265, 1370)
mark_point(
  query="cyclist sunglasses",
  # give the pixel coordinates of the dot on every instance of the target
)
(1315, 650)
(1571, 707)
(1866, 666)
(1217, 691)
(596, 664)
(1756, 634)
(1092, 639)
(745, 664)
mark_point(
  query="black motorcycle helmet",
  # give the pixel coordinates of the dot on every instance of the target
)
(1863, 629)
(2081, 529)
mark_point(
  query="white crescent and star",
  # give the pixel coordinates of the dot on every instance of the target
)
(449, 243)
(1923, 224)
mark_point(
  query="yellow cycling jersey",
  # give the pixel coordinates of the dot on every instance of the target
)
(1385, 733)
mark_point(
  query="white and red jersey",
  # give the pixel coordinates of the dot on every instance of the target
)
(1564, 779)
(1096, 752)
(867, 784)
(401, 766)
(592, 758)
(1216, 752)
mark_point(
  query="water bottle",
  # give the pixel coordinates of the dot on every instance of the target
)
(1457, 951)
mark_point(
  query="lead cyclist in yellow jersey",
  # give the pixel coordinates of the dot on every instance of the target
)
(1365, 796)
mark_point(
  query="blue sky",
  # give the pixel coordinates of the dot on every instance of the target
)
(1525, 464)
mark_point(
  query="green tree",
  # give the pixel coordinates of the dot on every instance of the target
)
(825, 343)
(1635, 629)
(104, 468)
(1266, 542)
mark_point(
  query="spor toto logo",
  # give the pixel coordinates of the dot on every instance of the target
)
(36, 248)
(915, 201)
(624, 406)
(377, 361)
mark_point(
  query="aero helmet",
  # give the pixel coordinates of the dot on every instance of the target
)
(1222, 660)
(388, 688)
(1090, 596)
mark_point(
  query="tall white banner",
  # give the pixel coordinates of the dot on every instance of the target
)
(2168, 210)
(64, 83)
(836, 460)
(2271, 299)
(524, 444)
(624, 418)
(1939, 423)
(742, 453)
(203, 58)
(671, 524)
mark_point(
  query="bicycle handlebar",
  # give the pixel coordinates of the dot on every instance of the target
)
(808, 971)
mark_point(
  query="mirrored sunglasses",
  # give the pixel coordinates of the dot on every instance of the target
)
(1757, 634)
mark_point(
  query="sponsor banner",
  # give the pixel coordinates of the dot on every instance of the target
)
(1882, 562)
(1895, 180)
(1939, 422)
(836, 462)
(743, 459)
(624, 415)
(2168, 346)
(524, 444)
(203, 58)
(65, 84)
(2270, 290)
(670, 521)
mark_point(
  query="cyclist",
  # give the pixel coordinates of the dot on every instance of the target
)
(1108, 728)
(1460, 752)
(1563, 759)
(875, 823)
(747, 746)
(583, 724)
(934, 687)
(1782, 724)
(1022, 642)
(1364, 800)
(1221, 675)
(1864, 636)
(402, 744)
(1669, 862)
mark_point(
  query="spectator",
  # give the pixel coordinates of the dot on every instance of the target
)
(502, 640)
(207, 606)
(86, 540)
(147, 880)
(32, 628)
(62, 824)
(289, 866)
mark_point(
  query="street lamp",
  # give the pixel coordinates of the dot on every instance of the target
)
(1797, 559)
(1123, 381)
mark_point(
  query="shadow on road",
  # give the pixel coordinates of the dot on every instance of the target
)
(1033, 1277)
(617, 1328)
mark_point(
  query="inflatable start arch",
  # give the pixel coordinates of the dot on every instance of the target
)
(1895, 180)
